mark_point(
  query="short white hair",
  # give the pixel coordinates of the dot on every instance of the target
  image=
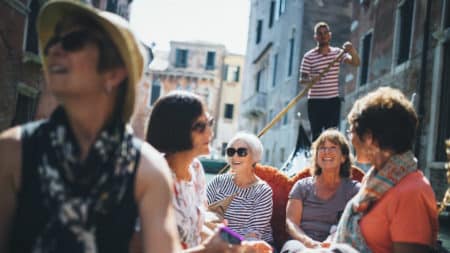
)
(255, 146)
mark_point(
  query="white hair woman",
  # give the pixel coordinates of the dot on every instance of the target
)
(250, 211)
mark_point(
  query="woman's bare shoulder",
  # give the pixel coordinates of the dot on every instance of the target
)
(153, 170)
(152, 161)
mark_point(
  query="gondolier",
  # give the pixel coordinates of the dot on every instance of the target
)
(323, 98)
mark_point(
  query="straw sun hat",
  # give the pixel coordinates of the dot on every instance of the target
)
(114, 26)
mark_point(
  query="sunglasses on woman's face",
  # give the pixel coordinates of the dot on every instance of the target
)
(241, 152)
(200, 126)
(72, 41)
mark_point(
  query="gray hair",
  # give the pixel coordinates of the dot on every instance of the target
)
(255, 146)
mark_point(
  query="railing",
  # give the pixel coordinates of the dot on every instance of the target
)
(256, 104)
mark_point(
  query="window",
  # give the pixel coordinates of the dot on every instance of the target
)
(447, 14)
(231, 73)
(291, 55)
(225, 72)
(270, 115)
(111, 6)
(224, 148)
(272, 13)
(258, 81)
(282, 151)
(364, 70)
(405, 29)
(259, 31)
(210, 60)
(286, 116)
(274, 73)
(25, 105)
(237, 73)
(181, 58)
(155, 91)
(228, 114)
(32, 43)
(443, 131)
(281, 7)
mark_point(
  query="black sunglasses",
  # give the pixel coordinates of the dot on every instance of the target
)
(240, 152)
(200, 126)
(72, 41)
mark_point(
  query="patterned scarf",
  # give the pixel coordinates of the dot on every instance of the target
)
(77, 192)
(374, 185)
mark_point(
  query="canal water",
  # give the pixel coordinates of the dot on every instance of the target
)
(444, 230)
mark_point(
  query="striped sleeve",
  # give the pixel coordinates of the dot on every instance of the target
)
(262, 214)
(212, 189)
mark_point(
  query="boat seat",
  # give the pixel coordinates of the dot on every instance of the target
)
(281, 185)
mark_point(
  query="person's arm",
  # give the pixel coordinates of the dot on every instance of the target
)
(153, 193)
(353, 58)
(10, 173)
(294, 211)
(305, 72)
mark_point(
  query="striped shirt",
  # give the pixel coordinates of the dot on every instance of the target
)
(314, 63)
(251, 209)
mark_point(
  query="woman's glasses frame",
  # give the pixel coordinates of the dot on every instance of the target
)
(72, 41)
(241, 152)
(332, 149)
(200, 126)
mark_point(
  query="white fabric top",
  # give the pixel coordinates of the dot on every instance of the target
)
(189, 201)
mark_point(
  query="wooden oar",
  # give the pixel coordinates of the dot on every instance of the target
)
(293, 102)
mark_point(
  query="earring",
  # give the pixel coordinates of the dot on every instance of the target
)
(108, 88)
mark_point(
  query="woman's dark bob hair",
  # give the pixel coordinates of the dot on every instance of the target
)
(169, 128)
(339, 139)
(388, 116)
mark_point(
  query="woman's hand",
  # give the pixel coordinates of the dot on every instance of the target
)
(213, 220)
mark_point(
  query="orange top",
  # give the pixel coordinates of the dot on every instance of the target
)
(406, 213)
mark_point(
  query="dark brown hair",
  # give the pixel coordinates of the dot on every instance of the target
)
(388, 116)
(169, 128)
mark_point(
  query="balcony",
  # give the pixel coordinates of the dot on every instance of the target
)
(255, 106)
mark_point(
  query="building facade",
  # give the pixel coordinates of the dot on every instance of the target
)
(230, 100)
(23, 93)
(280, 32)
(406, 44)
(207, 70)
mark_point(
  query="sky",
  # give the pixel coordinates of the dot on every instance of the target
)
(217, 21)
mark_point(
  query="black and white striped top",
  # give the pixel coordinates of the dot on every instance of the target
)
(314, 63)
(251, 209)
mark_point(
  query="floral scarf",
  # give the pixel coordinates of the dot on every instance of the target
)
(76, 192)
(374, 185)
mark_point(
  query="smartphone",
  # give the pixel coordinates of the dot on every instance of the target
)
(230, 236)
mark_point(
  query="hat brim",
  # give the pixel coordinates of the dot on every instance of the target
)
(115, 27)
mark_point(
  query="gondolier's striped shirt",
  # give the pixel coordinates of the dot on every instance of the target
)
(314, 63)
(251, 208)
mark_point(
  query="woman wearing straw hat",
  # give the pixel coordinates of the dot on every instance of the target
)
(77, 181)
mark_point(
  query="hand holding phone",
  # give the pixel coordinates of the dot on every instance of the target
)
(230, 236)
